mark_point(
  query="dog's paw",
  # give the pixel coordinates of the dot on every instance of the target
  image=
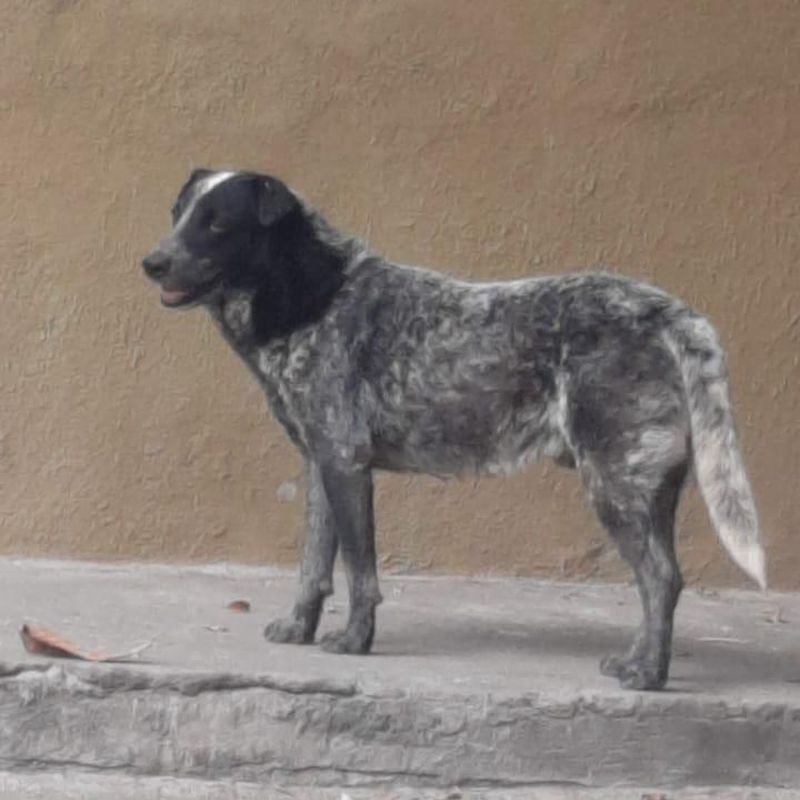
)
(288, 630)
(347, 641)
(634, 673)
(612, 666)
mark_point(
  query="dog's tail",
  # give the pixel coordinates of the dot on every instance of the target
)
(718, 462)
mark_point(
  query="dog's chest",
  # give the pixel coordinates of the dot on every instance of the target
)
(309, 392)
(283, 377)
(283, 369)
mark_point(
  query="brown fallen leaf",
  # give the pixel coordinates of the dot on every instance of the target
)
(242, 606)
(43, 642)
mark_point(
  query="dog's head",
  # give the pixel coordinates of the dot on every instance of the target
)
(219, 221)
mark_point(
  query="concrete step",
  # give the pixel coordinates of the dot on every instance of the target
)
(83, 786)
(477, 684)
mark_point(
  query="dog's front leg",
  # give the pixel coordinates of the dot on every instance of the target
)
(316, 572)
(349, 495)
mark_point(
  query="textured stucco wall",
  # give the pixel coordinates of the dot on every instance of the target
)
(496, 139)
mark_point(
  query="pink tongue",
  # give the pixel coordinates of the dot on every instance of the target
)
(171, 298)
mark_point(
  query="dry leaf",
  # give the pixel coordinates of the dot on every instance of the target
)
(43, 642)
(242, 606)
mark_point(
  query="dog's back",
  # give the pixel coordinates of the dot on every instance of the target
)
(452, 377)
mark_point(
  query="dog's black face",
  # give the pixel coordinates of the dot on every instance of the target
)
(221, 222)
(244, 234)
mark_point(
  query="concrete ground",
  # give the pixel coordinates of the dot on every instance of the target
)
(93, 787)
(488, 686)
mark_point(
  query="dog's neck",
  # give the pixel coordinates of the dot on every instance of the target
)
(234, 314)
(303, 265)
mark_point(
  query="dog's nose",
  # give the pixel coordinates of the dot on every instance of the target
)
(156, 265)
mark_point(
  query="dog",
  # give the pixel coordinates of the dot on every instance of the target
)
(370, 365)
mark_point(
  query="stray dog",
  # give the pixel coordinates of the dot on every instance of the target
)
(371, 365)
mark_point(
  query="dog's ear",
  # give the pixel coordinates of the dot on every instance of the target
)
(274, 201)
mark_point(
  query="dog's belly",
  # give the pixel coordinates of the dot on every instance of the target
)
(450, 442)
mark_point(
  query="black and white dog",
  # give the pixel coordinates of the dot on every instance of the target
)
(371, 365)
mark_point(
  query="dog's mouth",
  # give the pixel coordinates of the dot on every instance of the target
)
(177, 298)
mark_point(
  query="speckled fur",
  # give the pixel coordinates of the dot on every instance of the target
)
(406, 369)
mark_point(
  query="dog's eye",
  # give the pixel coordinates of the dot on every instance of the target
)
(217, 226)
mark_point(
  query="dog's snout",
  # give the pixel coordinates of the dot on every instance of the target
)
(157, 264)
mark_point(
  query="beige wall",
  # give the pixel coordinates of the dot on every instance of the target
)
(495, 138)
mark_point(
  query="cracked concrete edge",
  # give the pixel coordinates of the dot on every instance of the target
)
(99, 679)
(117, 678)
(82, 786)
(188, 726)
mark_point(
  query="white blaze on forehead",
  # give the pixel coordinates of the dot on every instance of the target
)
(202, 187)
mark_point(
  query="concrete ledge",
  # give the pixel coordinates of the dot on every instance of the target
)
(474, 683)
(255, 728)
(89, 786)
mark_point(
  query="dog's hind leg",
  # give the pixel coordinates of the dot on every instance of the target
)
(349, 492)
(640, 514)
(316, 572)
